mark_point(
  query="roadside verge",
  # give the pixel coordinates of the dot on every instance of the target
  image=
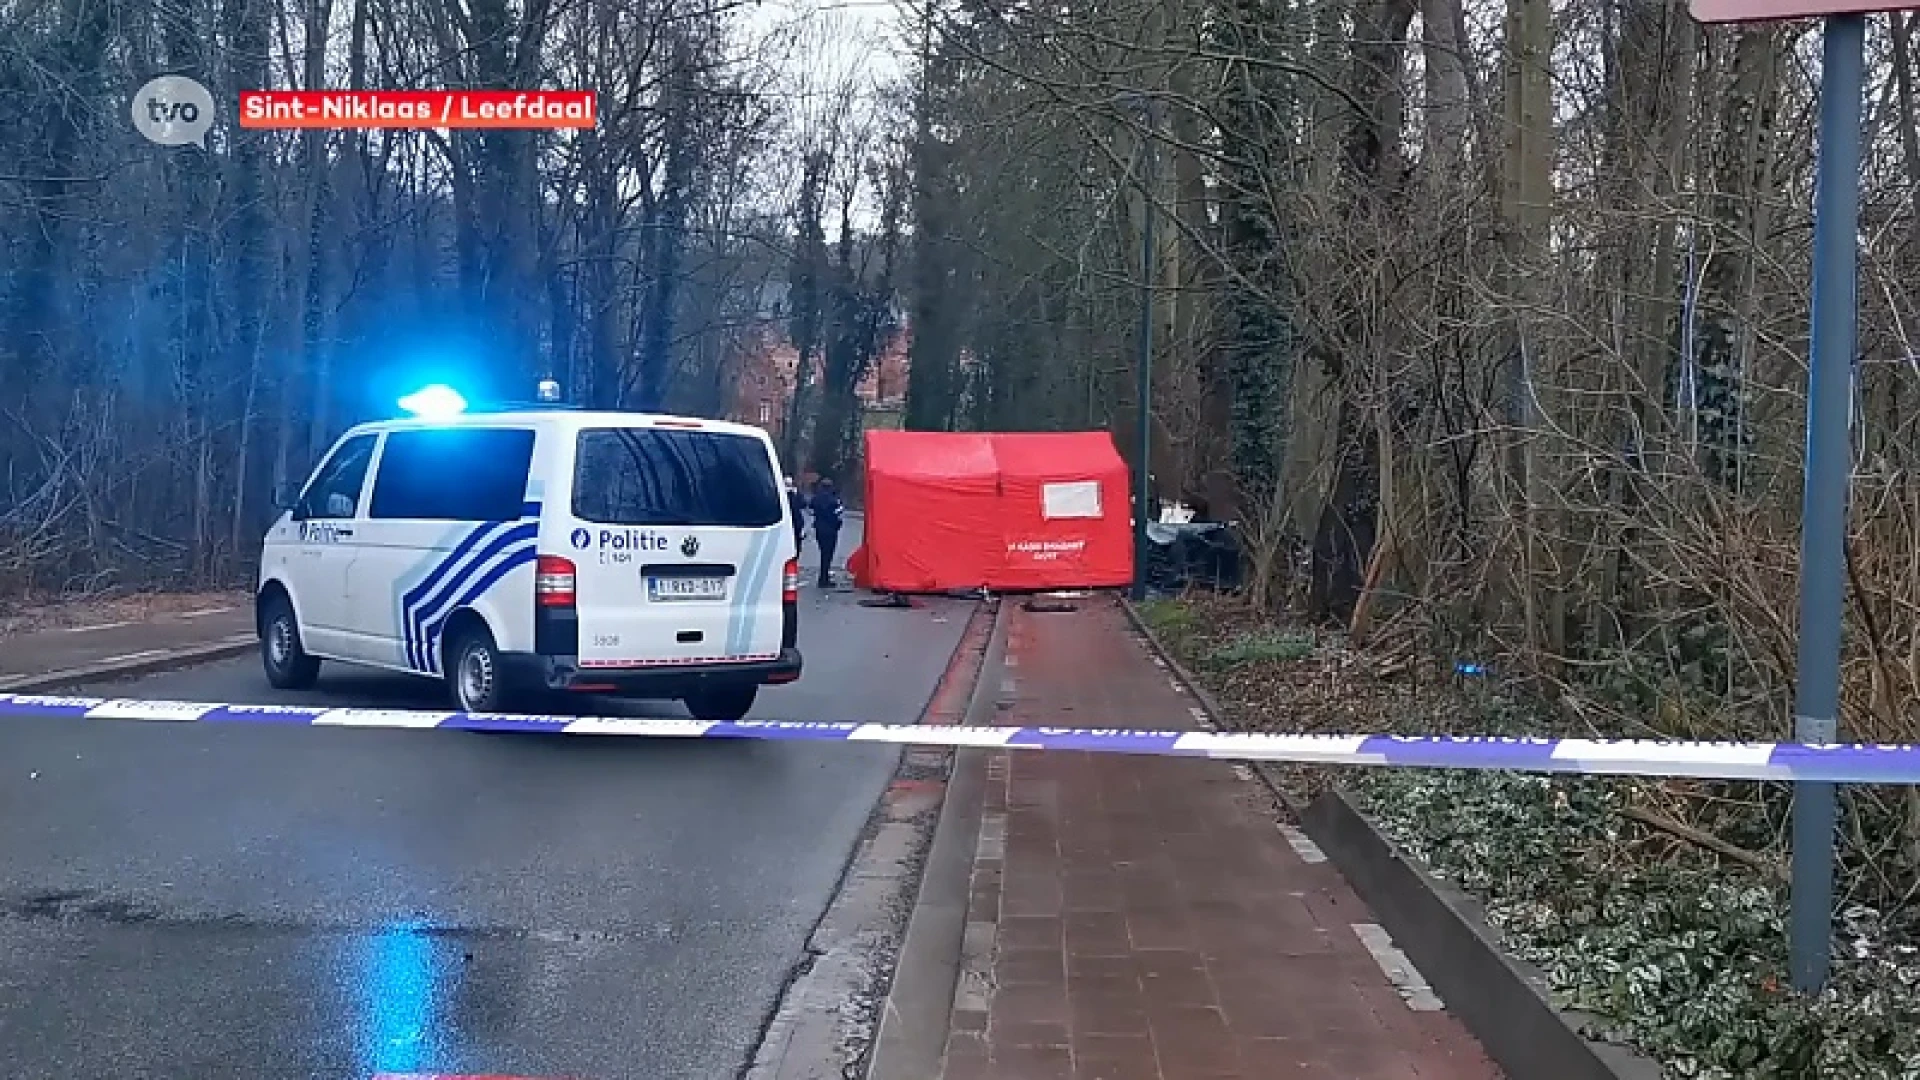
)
(1502, 1000)
(839, 1007)
(225, 648)
(912, 1038)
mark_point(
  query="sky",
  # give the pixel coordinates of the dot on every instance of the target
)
(865, 32)
(838, 42)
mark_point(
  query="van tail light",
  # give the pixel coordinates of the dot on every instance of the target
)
(790, 582)
(553, 579)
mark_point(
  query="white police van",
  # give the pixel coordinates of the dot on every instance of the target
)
(517, 553)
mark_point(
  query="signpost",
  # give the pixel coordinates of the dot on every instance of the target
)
(1143, 475)
(1836, 227)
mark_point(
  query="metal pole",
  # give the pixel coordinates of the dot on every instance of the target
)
(1836, 223)
(1144, 421)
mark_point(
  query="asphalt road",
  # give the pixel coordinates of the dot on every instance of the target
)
(187, 902)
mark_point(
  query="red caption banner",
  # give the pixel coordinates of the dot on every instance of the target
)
(279, 109)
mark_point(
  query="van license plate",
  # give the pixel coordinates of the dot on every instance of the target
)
(687, 588)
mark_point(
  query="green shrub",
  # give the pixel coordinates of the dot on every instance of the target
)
(1166, 616)
(1262, 646)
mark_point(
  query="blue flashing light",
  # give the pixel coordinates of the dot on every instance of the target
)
(434, 402)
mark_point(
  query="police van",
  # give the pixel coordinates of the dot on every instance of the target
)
(516, 553)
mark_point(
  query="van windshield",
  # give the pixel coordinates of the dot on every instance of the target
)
(659, 476)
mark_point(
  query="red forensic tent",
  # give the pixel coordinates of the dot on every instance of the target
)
(1009, 512)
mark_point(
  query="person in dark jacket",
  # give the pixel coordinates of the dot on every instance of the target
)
(827, 515)
(797, 503)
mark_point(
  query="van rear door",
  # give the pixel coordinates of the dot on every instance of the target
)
(678, 537)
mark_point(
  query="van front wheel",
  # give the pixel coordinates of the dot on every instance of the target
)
(286, 660)
(722, 704)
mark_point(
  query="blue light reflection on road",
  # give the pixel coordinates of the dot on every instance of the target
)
(395, 980)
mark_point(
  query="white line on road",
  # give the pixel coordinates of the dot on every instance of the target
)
(1303, 845)
(98, 626)
(1398, 969)
(134, 656)
(204, 611)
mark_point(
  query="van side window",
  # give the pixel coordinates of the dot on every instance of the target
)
(453, 474)
(335, 489)
(655, 476)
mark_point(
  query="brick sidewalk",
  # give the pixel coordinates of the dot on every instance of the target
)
(1147, 917)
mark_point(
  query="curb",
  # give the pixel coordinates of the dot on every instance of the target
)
(812, 1032)
(224, 649)
(1502, 1000)
(914, 1022)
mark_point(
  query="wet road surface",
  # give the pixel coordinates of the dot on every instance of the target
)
(201, 902)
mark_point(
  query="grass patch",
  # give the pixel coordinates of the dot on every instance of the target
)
(1262, 646)
(1167, 616)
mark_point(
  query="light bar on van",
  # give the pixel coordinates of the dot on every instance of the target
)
(434, 402)
(553, 582)
(694, 424)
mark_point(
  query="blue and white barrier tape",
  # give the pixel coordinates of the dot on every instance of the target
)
(1859, 763)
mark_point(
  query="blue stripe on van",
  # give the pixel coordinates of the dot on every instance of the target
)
(411, 601)
(516, 557)
(446, 579)
(747, 603)
(434, 574)
(441, 600)
(737, 599)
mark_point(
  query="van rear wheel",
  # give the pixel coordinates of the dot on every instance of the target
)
(722, 704)
(475, 678)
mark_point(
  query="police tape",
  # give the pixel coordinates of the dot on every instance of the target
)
(1841, 763)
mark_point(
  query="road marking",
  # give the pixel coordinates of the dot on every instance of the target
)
(1303, 845)
(1398, 969)
(134, 656)
(98, 626)
(204, 611)
(451, 1076)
